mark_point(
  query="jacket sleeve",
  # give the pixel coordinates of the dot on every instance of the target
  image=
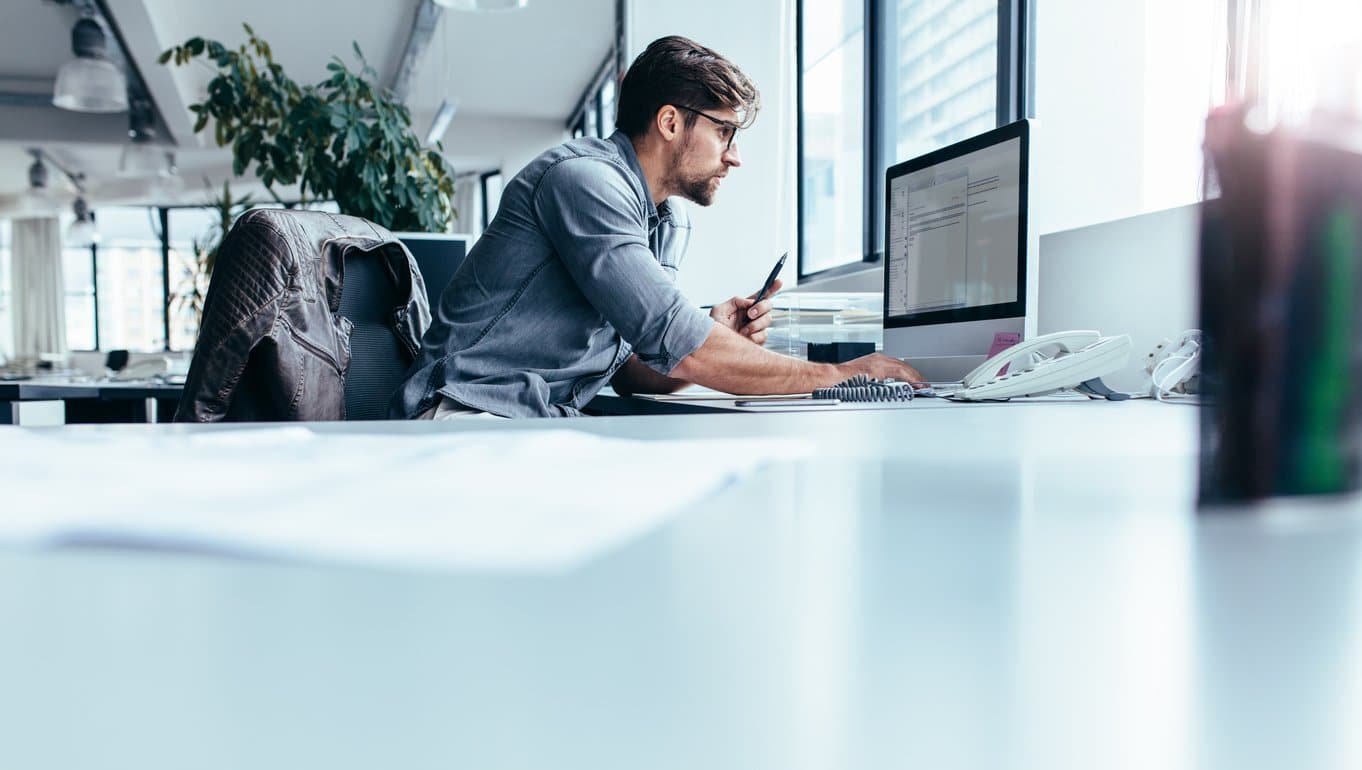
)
(232, 325)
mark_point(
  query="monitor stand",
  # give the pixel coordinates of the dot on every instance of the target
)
(945, 368)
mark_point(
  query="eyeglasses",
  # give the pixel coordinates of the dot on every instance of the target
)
(731, 127)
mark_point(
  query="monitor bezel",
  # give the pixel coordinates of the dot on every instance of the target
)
(1017, 309)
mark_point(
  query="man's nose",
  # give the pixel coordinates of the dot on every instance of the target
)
(731, 157)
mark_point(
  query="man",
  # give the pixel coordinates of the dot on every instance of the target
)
(571, 286)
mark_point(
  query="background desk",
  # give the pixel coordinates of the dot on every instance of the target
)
(91, 400)
(992, 587)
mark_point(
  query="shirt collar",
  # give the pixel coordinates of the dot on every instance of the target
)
(626, 148)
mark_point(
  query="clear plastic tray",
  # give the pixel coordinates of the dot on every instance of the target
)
(803, 317)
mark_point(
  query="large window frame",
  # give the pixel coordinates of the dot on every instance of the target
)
(161, 216)
(1015, 99)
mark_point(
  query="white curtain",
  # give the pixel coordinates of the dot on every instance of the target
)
(468, 202)
(39, 302)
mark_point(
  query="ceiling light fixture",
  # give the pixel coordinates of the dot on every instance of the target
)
(37, 200)
(484, 5)
(142, 156)
(440, 124)
(90, 82)
(81, 232)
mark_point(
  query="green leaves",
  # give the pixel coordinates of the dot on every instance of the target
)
(344, 138)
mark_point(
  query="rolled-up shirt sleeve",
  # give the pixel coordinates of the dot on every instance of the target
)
(598, 225)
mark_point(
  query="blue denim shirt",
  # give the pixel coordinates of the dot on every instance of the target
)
(575, 272)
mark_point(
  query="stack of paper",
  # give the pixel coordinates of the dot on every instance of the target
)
(486, 500)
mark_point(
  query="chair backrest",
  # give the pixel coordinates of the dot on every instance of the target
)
(378, 361)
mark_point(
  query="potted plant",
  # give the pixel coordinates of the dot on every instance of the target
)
(345, 139)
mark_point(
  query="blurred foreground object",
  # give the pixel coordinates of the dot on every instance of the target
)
(1280, 297)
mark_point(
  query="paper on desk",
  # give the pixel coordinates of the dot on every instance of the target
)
(701, 393)
(512, 500)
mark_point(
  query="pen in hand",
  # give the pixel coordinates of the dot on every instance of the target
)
(766, 287)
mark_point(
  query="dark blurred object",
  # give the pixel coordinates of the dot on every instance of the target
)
(1280, 298)
(116, 360)
(839, 352)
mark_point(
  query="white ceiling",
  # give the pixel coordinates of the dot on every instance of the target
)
(531, 64)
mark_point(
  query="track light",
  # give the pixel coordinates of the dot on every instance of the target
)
(142, 156)
(82, 232)
(440, 124)
(90, 82)
(37, 201)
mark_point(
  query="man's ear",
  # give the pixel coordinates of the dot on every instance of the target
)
(668, 122)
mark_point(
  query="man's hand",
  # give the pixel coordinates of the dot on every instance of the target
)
(745, 316)
(881, 367)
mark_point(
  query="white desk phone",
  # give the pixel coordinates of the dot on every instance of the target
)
(1081, 356)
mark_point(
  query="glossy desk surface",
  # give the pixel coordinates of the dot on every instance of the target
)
(986, 586)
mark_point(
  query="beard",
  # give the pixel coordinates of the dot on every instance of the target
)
(696, 186)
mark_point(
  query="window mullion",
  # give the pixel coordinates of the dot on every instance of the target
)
(165, 277)
(94, 287)
(873, 155)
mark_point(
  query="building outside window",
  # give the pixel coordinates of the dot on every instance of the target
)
(129, 274)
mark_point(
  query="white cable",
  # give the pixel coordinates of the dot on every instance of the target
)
(1171, 366)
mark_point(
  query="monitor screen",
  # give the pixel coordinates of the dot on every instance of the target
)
(955, 242)
(438, 256)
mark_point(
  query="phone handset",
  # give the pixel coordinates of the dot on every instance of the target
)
(1081, 356)
(1019, 355)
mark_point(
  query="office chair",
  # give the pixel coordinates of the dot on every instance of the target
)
(116, 360)
(309, 316)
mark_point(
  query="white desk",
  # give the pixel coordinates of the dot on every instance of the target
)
(983, 587)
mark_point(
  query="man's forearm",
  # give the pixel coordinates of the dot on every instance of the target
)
(729, 362)
(636, 377)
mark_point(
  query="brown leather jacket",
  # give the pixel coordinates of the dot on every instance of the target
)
(272, 345)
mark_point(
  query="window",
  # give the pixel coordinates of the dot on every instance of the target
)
(832, 122)
(187, 231)
(129, 280)
(883, 82)
(78, 273)
(595, 112)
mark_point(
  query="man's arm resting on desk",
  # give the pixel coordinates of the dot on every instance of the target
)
(744, 315)
(636, 377)
(729, 362)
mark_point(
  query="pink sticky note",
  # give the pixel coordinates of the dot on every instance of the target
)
(1002, 341)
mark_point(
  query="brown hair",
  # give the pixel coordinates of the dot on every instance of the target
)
(679, 71)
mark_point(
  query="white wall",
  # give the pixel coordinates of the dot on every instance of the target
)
(736, 240)
(1122, 90)
(485, 142)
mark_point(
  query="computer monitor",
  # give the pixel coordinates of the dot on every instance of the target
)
(438, 255)
(959, 256)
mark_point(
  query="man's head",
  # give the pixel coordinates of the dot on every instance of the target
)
(689, 102)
